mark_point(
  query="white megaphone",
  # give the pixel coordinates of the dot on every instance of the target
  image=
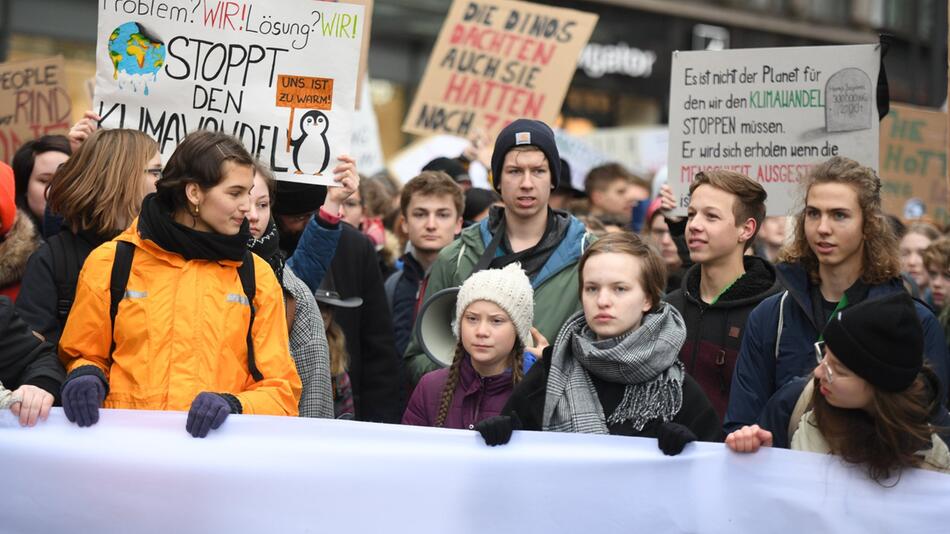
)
(434, 326)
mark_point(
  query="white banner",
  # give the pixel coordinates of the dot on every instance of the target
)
(141, 472)
(771, 114)
(281, 76)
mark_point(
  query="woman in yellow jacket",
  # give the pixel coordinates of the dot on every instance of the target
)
(185, 336)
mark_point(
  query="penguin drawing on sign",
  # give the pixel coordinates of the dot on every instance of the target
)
(312, 141)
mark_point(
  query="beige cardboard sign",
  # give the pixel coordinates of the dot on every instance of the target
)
(914, 164)
(33, 102)
(496, 61)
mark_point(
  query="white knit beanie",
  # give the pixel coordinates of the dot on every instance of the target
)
(509, 288)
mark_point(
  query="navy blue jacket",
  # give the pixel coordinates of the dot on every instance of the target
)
(766, 364)
(310, 261)
(403, 299)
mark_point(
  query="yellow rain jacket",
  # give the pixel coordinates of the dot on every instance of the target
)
(181, 329)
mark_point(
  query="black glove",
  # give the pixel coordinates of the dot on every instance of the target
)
(208, 410)
(497, 430)
(672, 437)
(82, 396)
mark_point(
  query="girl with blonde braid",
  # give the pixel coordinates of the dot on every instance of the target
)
(493, 315)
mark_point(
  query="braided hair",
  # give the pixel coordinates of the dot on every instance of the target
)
(515, 358)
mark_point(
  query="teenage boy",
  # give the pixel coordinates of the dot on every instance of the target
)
(613, 191)
(842, 253)
(547, 243)
(432, 205)
(723, 286)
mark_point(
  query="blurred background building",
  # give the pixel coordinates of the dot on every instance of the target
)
(623, 76)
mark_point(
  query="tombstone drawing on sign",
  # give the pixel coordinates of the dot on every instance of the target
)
(848, 101)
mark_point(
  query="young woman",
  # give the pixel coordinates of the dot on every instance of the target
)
(308, 342)
(34, 164)
(912, 245)
(188, 332)
(493, 315)
(98, 192)
(614, 367)
(18, 237)
(871, 401)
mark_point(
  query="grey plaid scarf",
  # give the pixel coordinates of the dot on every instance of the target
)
(645, 359)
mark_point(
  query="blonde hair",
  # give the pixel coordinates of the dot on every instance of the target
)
(100, 187)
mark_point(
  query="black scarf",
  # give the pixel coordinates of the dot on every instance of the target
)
(156, 224)
(532, 259)
(268, 247)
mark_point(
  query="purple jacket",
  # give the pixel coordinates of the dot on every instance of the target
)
(476, 398)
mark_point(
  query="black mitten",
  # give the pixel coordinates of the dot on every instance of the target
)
(497, 430)
(672, 437)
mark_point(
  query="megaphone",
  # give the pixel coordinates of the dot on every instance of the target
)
(434, 326)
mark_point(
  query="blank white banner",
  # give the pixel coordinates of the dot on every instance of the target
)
(140, 472)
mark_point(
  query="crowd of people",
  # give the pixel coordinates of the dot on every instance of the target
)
(201, 284)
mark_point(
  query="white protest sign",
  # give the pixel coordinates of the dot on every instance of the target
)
(771, 114)
(579, 155)
(408, 163)
(642, 149)
(366, 146)
(280, 76)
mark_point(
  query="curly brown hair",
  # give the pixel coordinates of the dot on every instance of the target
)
(881, 261)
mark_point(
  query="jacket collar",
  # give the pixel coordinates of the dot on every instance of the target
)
(471, 383)
(131, 235)
(795, 279)
(759, 281)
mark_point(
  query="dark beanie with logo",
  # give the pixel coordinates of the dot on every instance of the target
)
(880, 340)
(525, 132)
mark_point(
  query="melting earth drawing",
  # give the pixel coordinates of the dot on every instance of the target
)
(137, 57)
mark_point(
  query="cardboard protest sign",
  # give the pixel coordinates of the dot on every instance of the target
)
(914, 163)
(496, 61)
(280, 76)
(33, 103)
(771, 114)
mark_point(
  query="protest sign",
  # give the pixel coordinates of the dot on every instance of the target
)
(361, 79)
(139, 471)
(771, 114)
(642, 149)
(33, 102)
(914, 163)
(580, 155)
(366, 147)
(280, 76)
(496, 61)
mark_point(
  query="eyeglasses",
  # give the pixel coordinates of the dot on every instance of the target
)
(823, 361)
(157, 173)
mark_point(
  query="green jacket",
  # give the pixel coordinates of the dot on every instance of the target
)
(555, 286)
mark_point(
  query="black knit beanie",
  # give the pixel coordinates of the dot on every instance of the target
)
(525, 132)
(294, 198)
(880, 340)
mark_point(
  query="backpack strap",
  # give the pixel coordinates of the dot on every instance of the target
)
(249, 283)
(781, 322)
(801, 406)
(121, 267)
(66, 267)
